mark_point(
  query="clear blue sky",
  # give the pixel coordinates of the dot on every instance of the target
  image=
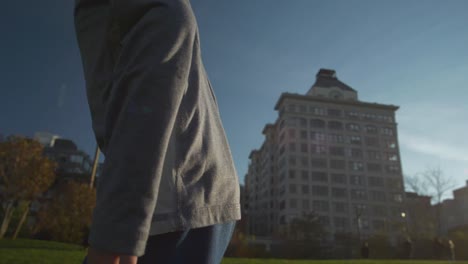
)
(409, 53)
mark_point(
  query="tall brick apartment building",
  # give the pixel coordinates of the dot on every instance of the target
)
(331, 154)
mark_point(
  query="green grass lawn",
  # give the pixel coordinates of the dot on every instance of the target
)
(24, 251)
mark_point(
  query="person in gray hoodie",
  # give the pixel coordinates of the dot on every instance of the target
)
(168, 191)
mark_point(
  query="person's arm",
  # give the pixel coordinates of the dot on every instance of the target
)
(150, 79)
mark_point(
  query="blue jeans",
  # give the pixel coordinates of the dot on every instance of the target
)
(205, 245)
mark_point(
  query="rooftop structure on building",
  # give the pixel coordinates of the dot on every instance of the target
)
(45, 138)
(330, 154)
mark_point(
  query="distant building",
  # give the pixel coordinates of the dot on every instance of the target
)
(460, 195)
(454, 212)
(72, 162)
(45, 138)
(72, 165)
(330, 154)
(419, 215)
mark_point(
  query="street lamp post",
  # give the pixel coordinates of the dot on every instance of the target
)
(405, 219)
(95, 165)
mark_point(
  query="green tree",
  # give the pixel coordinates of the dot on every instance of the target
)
(67, 216)
(24, 175)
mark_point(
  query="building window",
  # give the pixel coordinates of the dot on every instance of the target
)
(282, 220)
(76, 159)
(352, 127)
(320, 190)
(397, 197)
(291, 122)
(340, 223)
(318, 136)
(340, 207)
(282, 149)
(360, 209)
(379, 210)
(392, 169)
(292, 188)
(292, 174)
(318, 163)
(292, 133)
(282, 205)
(338, 178)
(335, 125)
(353, 115)
(373, 155)
(389, 143)
(282, 190)
(320, 206)
(394, 184)
(292, 108)
(305, 175)
(293, 203)
(358, 194)
(304, 148)
(304, 161)
(305, 189)
(376, 182)
(374, 167)
(292, 160)
(354, 153)
(372, 141)
(390, 156)
(339, 193)
(371, 129)
(305, 205)
(317, 111)
(335, 138)
(365, 223)
(355, 140)
(378, 196)
(387, 131)
(338, 164)
(302, 109)
(324, 220)
(281, 124)
(356, 166)
(292, 147)
(378, 224)
(334, 112)
(337, 151)
(303, 134)
(317, 123)
(359, 180)
(319, 176)
(318, 149)
(368, 116)
(282, 136)
(303, 122)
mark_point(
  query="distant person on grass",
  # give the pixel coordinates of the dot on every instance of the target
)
(168, 191)
(408, 248)
(451, 247)
(365, 250)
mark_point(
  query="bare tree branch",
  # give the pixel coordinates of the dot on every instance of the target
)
(417, 184)
(438, 183)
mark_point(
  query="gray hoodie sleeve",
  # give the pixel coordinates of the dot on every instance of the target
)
(134, 108)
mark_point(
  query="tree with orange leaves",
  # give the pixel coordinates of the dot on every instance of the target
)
(24, 175)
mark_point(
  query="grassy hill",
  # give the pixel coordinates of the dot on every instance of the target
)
(24, 251)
